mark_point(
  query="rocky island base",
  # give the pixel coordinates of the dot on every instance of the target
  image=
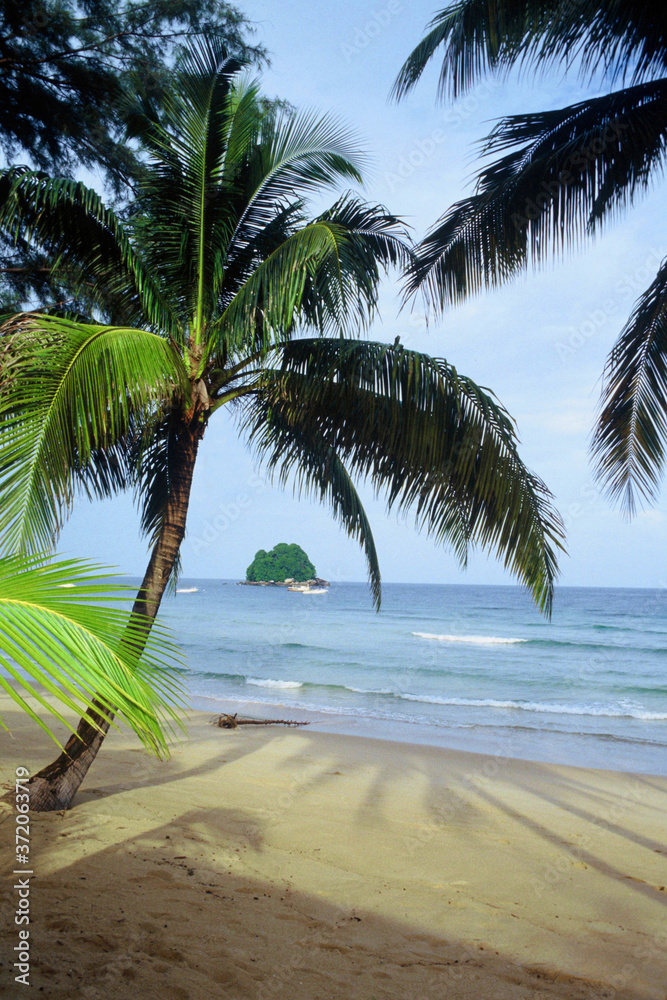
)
(315, 582)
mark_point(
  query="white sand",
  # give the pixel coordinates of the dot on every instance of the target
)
(279, 863)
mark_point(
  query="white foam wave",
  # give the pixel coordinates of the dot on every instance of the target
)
(369, 690)
(534, 706)
(477, 640)
(371, 713)
(269, 683)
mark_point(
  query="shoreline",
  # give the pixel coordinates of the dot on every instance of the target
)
(546, 746)
(278, 863)
(460, 669)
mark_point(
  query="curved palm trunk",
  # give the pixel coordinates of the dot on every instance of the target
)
(55, 786)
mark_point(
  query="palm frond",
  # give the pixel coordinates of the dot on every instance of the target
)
(68, 396)
(152, 461)
(267, 306)
(89, 250)
(274, 160)
(187, 139)
(290, 450)
(372, 242)
(426, 437)
(567, 172)
(296, 154)
(621, 38)
(65, 642)
(201, 82)
(196, 121)
(324, 275)
(629, 442)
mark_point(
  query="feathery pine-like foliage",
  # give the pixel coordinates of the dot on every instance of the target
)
(64, 67)
(220, 290)
(66, 642)
(561, 175)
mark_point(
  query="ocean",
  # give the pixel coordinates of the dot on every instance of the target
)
(468, 667)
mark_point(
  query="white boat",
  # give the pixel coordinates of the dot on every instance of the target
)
(187, 590)
(308, 590)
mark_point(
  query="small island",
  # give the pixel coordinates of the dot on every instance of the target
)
(284, 566)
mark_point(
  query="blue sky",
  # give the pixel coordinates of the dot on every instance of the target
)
(540, 343)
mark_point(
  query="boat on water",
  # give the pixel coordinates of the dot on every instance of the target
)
(308, 590)
(187, 590)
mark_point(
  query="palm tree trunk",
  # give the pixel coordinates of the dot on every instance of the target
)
(55, 786)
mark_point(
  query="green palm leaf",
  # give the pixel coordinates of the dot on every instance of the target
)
(299, 154)
(325, 275)
(429, 439)
(69, 397)
(290, 450)
(90, 251)
(341, 296)
(629, 441)
(267, 306)
(65, 642)
(475, 37)
(567, 172)
(618, 37)
(196, 133)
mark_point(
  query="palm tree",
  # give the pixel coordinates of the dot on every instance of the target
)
(63, 634)
(220, 290)
(561, 176)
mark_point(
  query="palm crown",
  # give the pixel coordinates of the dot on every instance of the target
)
(562, 174)
(219, 289)
(203, 292)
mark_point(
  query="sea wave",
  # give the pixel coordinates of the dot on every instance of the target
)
(609, 712)
(649, 629)
(426, 720)
(367, 690)
(550, 644)
(541, 707)
(619, 711)
(477, 640)
(269, 683)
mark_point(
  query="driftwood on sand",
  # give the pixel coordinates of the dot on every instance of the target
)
(233, 721)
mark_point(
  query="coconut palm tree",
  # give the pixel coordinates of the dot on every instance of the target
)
(561, 176)
(63, 633)
(221, 291)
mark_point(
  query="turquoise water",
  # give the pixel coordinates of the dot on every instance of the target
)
(468, 667)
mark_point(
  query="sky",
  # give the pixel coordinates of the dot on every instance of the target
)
(540, 344)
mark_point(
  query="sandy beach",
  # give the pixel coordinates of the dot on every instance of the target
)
(280, 863)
